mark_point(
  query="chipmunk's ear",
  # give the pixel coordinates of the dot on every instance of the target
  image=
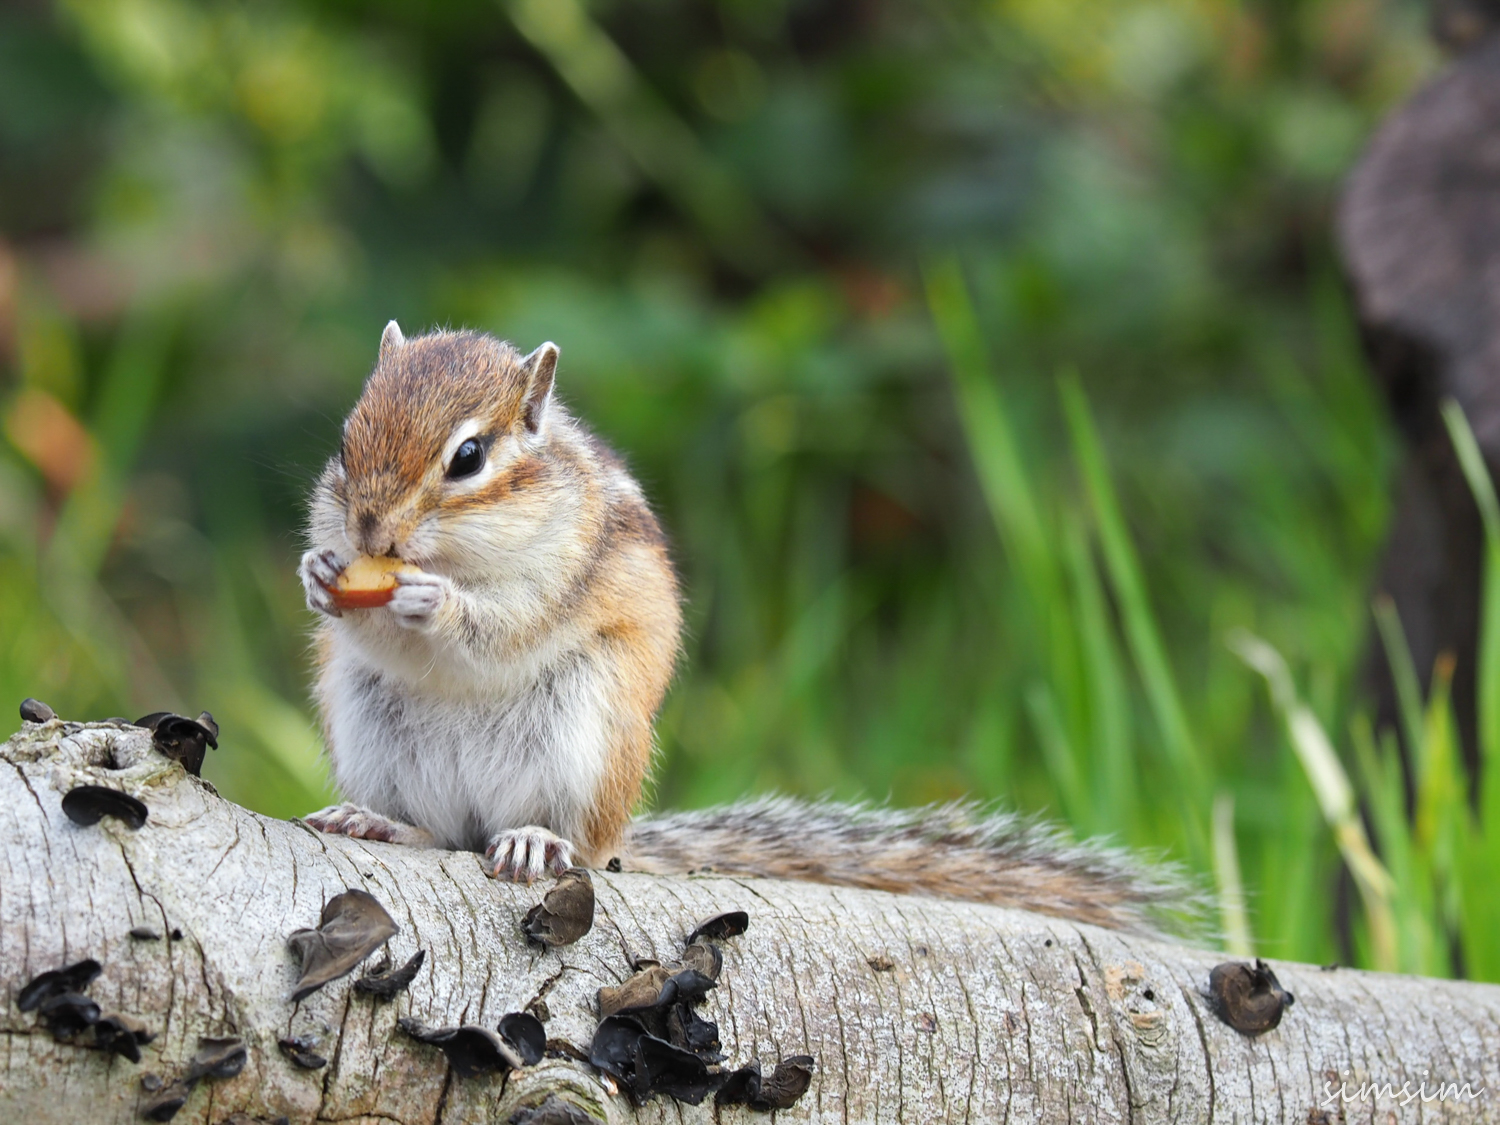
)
(538, 368)
(391, 338)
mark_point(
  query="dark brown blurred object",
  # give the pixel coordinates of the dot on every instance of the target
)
(1461, 24)
(1419, 234)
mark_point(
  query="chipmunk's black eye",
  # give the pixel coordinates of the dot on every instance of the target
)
(467, 460)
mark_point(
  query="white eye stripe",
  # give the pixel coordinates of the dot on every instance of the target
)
(469, 427)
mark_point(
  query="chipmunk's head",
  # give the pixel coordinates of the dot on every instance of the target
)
(444, 456)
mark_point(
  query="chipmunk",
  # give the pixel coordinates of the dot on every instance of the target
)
(504, 699)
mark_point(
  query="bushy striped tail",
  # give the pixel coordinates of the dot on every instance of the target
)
(957, 851)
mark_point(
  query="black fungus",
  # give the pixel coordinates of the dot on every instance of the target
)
(182, 739)
(145, 933)
(87, 804)
(647, 1065)
(301, 1050)
(384, 981)
(672, 1070)
(552, 1111)
(176, 934)
(640, 989)
(216, 1058)
(614, 865)
(74, 978)
(613, 1047)
(525, 1035)
(731, 923)
(787, 1083)
(35, 711)
(353, 926)
(165, 1105)
(67, 1014)
(121, 1035)
(1249, 999)
(206, 721)
(686, 1028)
(706, 957)
(471, 1050)
(685, 987)
(652, 1040)
(740, 1087)
(664, 1005)
(565, 913)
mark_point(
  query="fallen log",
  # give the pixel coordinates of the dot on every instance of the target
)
(912, 1010)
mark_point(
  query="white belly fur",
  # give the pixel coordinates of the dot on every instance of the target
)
(465, 769)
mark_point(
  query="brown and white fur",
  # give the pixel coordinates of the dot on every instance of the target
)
(505, 697)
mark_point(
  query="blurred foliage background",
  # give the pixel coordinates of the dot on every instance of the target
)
(987, 361)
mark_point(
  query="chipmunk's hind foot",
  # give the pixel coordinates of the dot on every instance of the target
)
(522, 854)
(361, 823)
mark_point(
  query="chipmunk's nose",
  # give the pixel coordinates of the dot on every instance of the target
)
(371, 535)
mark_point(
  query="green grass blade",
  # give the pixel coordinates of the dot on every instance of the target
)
(1471, 460)
(1478, 857)
(991, 438)
(1233, 916)
(1330, 784)
(1141, 632)
(1403, 671)
(1110, 765)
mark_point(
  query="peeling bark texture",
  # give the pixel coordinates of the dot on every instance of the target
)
(915, 1010)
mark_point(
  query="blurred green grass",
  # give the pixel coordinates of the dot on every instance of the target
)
(988, 364)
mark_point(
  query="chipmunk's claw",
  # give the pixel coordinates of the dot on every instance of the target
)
(418, 597)
(319, 570)
(362, 824)
(522, 854)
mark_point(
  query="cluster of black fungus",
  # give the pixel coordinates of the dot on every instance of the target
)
(63, 1006)
(353, 925)
(788, 1082)
(182, 739)
(178, 737)
(652, 1040)
(520, 1041)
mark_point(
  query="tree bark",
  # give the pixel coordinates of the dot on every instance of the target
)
(915, 1010)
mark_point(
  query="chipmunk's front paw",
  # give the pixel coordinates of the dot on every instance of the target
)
(418, 598)
(522, 854)
(319, 570)
(361, 823)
